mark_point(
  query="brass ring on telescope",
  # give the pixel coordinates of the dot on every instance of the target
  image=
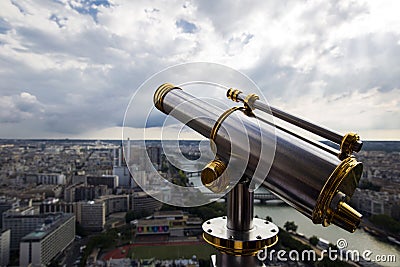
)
(214, 169)
(239, 248)
(160, 93)
(343, 178)
(221, 119)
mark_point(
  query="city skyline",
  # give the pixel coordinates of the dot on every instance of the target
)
(69, 68)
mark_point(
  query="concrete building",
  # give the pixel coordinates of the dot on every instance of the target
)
(153, 227)
(46, 178)
(154, 154)
(370, 202)
(121, 170)
(83, 192)
(21, 221)
(170, 223)
(41, 246)
(77, 179)
(6, 204)
(125, 177)
(43, 190)
(109, 180)
(115, 203)
(140, 201)
(5, 247)
(91, 215)
(140, 176)
(55, 205)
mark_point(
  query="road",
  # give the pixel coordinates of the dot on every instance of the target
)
(72, 253)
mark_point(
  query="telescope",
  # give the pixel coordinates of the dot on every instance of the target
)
(313, 178)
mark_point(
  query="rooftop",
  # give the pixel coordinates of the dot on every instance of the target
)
(152, 222)
(46, 229)
(171, 213)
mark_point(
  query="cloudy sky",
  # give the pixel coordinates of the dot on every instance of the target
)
(69, 68)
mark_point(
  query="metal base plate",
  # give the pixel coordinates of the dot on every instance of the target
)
(263, 234)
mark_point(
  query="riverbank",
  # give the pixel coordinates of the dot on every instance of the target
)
(360, 240)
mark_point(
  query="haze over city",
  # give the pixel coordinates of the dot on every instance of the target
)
(69, 68)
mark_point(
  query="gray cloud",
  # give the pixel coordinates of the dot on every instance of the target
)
(83, 60)
(17, 108)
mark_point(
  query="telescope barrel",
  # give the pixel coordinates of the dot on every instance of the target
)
(326, 133)
(308, 178)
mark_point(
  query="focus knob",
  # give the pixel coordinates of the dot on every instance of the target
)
(210, 176)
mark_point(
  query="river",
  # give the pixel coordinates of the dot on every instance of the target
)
(360, 240)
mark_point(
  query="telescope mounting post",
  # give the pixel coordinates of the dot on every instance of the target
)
(238, 236)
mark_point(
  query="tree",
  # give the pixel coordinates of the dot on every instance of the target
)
(134, 215)
(314, 240)
(290, 226)
(386, 222)
(129, 216)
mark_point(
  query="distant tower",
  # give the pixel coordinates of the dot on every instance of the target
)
(128, 152)
(119, 157)
(121, 167)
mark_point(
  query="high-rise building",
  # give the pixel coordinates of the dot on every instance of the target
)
(154, 154)
(91, 215)
(115, 203)
(124, 176)
(21, 221)
(41, 246)
(141, 201)
(83, 192)
(6, 204)
(5, 247)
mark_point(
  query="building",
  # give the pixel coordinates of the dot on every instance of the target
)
(141, 201)
(44, 191)
(109, 180)
(170, 223)
(83, 192)
(124, 176)
(154, 154)
(120, 168)
(6, 204)
(41, 246)
(54, 205)
(115, 203)
(21, 221)
(5, 247)
(77, 179)
(90, 192)
(151, 227)
(370, 202)
(46, 178)
(91, 215)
